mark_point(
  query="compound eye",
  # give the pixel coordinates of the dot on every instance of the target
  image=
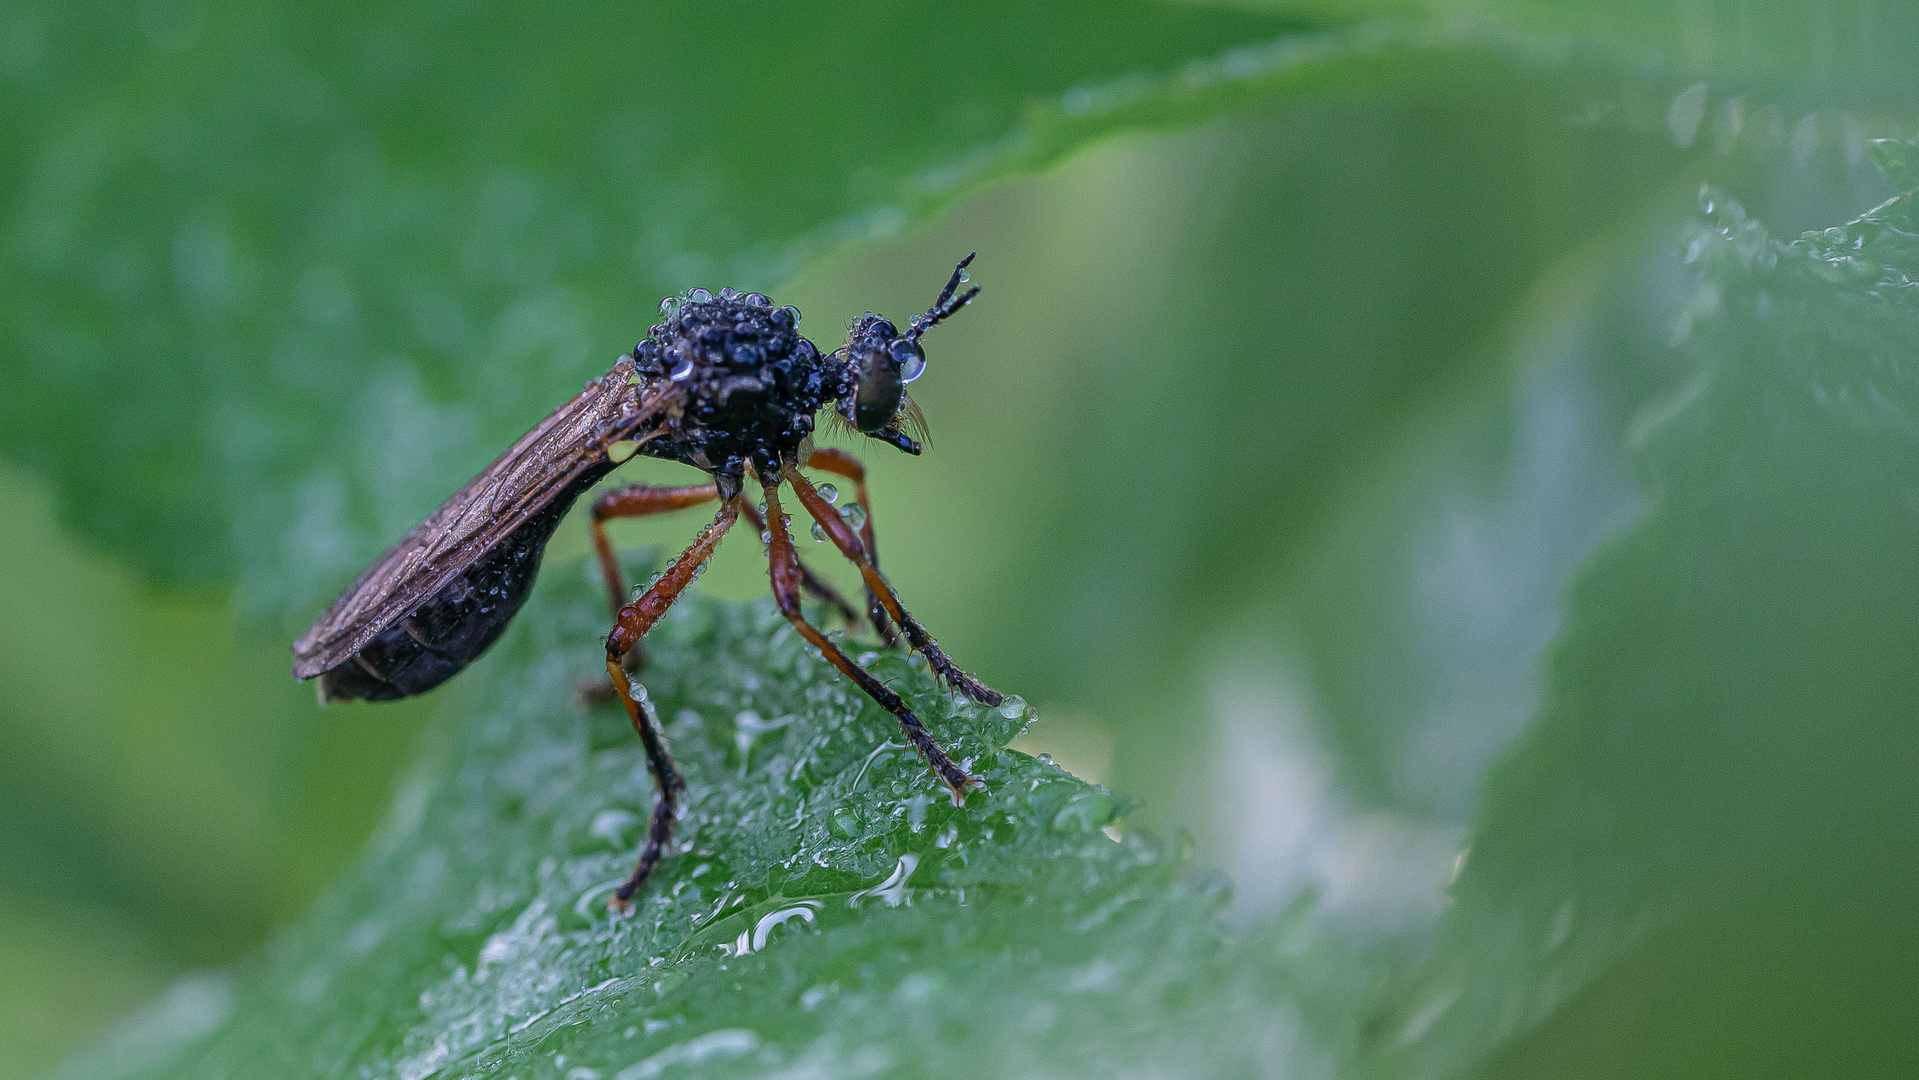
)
(879, 393)
(911, 359)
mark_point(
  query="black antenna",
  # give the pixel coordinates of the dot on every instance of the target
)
(946, 305)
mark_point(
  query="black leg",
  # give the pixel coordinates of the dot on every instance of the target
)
(632, 621)
(841, 463)
(786, 591)
(849, 545)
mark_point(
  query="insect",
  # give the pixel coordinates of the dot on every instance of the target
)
(725, 384)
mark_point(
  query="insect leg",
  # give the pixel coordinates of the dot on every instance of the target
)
(785, 569)
(822, 590)
(841, 463)
(637, 500)
(849, 545)
(632, 621)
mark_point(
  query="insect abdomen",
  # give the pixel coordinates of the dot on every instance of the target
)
(453, 627)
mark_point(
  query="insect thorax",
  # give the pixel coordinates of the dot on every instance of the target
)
(751, 384)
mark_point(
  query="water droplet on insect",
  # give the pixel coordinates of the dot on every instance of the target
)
(682, 369)
(670, 306)
(699, 296)
(853, 514)
(766, 536)
(912, 368)
(727, 293)
(754, 299)
(819, 533)
(1013, 707)
(830, 493)
(966, 275)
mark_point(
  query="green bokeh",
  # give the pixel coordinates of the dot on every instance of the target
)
(1339, 364)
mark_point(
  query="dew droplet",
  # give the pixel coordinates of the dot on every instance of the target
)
(682, 369)
(727, 293)
(791, 312)
(670, 306)
(912, 367)
(1012, 707)
(819, 533)
(766, 536)
(966, 275)
(853, 514)
(754, 299)
(830, 493)
(699, 296)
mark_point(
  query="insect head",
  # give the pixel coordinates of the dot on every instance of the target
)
(883, 361)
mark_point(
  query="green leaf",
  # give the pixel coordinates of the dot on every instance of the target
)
(281, 277)
(1343, 219)
(826, 908)
(1716, 808)
(1823, 55)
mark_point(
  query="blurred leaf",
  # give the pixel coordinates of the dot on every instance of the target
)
(281, 276)
(71, 969)
(829, 912)
(1714, 815)
(1203, 349)
(167, 794)
(1424, 178)
(155, 757)
(1823, 54)
(296, 274)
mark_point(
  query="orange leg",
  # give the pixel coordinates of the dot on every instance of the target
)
(785, 569)
(821, 589)
(631, 622)
(637, 500)
(849, 545)
(645, 500)
(841, 463)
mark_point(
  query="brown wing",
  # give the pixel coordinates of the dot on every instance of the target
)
(488, 509)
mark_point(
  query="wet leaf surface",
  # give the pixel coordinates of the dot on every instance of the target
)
(827, 912)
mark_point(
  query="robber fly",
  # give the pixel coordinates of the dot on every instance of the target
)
(725, 384)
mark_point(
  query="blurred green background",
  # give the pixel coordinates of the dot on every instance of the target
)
(1341, 456)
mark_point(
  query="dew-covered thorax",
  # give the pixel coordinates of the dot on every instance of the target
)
(749, 384)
